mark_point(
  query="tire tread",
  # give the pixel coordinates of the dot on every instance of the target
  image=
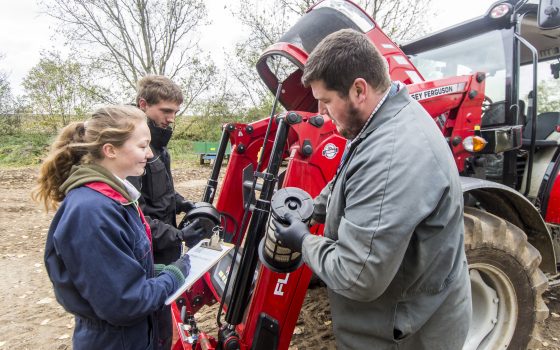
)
(483, 229)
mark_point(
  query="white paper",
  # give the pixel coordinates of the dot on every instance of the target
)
(202, 259)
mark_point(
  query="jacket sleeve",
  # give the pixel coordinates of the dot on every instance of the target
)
(101, 251)
(163, 235)
(389, 188)
(178, 199)
(320, 204)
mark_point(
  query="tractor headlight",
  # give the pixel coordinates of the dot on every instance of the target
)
(474, 143)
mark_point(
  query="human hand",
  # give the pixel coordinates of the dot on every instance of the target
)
(192, 233)
(291, 236)
(184, 206)
(183, 264)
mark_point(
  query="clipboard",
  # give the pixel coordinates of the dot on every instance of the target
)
(203, 257)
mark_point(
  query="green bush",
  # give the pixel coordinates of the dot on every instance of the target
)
(10, 124)
(23, 149)
(28, 139)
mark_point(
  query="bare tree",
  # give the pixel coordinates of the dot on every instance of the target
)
(138, 37)
(267, 21)
(297, 6)
(6, 99)
(59, 88)
(401, 20)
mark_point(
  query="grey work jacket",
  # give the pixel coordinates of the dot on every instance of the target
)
(392, 254)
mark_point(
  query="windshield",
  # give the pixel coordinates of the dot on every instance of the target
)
(481, 53)
(548, 88)
(489, 53)
(547, 43)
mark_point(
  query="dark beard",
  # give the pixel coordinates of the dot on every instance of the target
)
(355, 125)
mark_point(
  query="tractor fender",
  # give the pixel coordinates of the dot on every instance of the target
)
(513, 207)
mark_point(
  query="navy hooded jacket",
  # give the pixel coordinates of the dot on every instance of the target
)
(99, 259)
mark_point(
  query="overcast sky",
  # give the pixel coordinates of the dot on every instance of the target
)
(25, 32)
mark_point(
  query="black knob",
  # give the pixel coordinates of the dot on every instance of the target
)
(293, 118)
(480, 77)
(317, 121)
(456, 140)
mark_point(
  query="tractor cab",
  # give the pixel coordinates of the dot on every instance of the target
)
(521, 61)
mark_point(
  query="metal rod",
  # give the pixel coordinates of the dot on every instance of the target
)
(533, 114)
(242, 286)
(271, 120)
(246, 211)
(212, 185)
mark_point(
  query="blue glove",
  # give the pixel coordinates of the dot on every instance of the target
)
(183, 264)
(291, 236)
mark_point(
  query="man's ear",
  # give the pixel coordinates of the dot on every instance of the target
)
(142, 104)
(109, 151)
(360, 89)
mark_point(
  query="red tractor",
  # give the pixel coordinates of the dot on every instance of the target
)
(471, 80)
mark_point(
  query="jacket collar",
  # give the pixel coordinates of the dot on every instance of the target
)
(388, 110)
(160, 136)
(107, 191)
(86, 173)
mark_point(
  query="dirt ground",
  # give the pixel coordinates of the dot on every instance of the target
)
(30, 317)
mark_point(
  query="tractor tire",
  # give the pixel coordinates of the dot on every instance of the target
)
(506, 283)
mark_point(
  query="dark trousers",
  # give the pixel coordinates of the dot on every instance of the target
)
(165, 331)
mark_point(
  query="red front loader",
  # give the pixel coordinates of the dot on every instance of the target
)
(507, 242)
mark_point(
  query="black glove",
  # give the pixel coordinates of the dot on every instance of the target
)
(192, 233)
(291, 236)
(183, 264)
(184, 206)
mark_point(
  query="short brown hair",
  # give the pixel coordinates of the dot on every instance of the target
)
(156, 88)
(342, 57)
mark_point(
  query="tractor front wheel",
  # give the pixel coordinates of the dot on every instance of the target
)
(506, 283)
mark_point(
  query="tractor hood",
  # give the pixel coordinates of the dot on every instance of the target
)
(283, 61)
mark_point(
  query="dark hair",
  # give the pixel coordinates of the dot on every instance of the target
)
(156, 88)
(82, 142)
(342, 57)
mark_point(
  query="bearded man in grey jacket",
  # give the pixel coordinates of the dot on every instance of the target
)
(392, 254)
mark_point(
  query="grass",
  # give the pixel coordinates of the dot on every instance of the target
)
(28, 149)
(24, 149)
(30, 143)
(181, 151)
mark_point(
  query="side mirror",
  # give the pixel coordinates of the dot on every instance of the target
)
(549, 14)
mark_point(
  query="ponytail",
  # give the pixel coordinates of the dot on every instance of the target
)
(82, 142)
(65, 152)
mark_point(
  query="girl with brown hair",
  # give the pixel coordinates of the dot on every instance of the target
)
(98, 252)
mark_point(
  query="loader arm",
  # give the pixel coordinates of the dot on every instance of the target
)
(313, 150)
